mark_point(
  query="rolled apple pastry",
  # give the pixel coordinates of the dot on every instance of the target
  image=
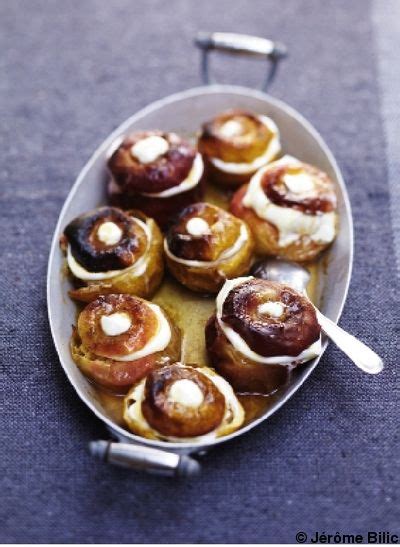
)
(110, 251)
(182, 403)
(120, 338)
(235, 144)
(207, 245)
(261, 331)
(156, 172)
(290, 207)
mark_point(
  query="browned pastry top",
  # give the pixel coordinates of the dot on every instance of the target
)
(165, 172)
(322, 199)
(95, 255)
(224, 230)
(289, 334)
(144, 325)
(243, 147)
(174, 419)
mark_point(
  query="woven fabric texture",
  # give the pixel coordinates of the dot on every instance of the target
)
(70, 72)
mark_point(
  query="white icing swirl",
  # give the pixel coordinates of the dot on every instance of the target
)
(228, 253)
(291, 223)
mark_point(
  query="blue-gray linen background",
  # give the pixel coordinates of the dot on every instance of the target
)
(70, 72)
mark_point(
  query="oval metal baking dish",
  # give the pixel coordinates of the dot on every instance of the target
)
(184, 112)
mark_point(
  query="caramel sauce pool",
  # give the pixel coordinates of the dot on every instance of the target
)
(190, 311)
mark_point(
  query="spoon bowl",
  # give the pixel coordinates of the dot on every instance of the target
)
(283, 271)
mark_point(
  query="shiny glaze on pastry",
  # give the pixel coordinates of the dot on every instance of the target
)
(207, 245)
(290, 207)
(235, 144)
(156, 172)
(182, 403)
(119, 338)
(260, 332)
(110, 251)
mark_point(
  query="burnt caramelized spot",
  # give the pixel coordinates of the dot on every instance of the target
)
(174, 419)
(165, 172)
(96, 256)
(320, 200)
(268, 336)
(244, 147)
(144, 325)
(224, 230)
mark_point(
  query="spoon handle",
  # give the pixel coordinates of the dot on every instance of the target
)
(361, 355)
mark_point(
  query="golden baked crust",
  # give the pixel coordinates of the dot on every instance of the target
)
(252, 142)
(210, 277)
(143, 327)
(243, 147)
(266, 235)
(119, 376)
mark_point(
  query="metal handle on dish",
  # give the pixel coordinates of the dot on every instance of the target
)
(143, 458)
(361, 355)
(240, 44)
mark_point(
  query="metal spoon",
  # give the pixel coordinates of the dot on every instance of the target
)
(298, 277)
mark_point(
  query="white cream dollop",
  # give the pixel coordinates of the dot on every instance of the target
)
(241, 345)
(230, 129)
(149, 149)
(158, 342)
(273, 309)
(197, 226)
(272, 150)
(186, 392)
(116, 323)
(298, 183)
(109, 233)
(291, 223)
